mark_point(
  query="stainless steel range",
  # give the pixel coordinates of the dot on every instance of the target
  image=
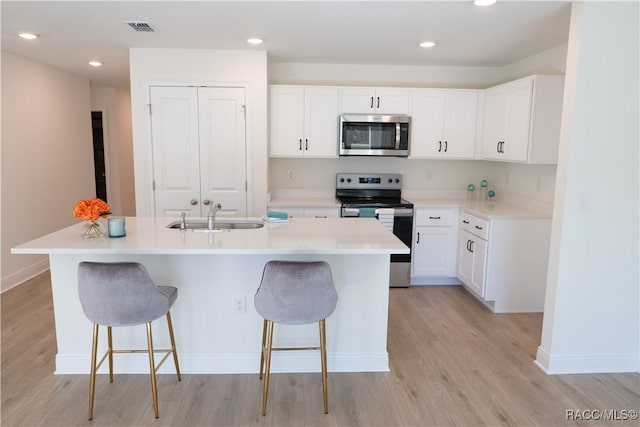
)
(380, 196)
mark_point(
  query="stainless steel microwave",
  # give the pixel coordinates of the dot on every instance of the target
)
(374, 135)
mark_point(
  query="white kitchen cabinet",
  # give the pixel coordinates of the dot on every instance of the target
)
(522, 120)
(503, 260)
(433, 255)
(443, 123)
(303, 121)
(374, 100)
(199, 157)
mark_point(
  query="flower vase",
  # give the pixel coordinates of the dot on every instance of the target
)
(93, 230)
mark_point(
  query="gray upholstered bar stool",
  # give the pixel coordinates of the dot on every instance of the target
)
(294, 293)
(123, 294)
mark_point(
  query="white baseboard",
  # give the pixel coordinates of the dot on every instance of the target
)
(17, 278)
(589, 364)
(243, 363)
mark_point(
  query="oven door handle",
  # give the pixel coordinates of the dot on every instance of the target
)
(403, 212)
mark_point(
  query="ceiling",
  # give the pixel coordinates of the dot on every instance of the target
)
(350, 32)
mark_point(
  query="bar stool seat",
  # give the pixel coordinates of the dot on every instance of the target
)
(122, 294)
(294, 293)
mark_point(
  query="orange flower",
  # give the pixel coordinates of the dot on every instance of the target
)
(91, 209)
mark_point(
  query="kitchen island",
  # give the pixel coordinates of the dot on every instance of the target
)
(216, 326)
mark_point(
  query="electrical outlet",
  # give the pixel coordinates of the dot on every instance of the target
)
(290, 174)
(239, 304)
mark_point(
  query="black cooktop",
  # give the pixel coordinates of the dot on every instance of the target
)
(368, 202)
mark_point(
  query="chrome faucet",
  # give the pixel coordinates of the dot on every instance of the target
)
(211, 217)
(183, 221)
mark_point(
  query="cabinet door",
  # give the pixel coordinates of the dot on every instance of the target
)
(460, 115)
(357, 100)
(372, 100)
(434, 252)
(494, 122)
(286, 120)
(391, 101)
(465, 257)
(427, 123)
(223, 149)
(320, 122)
(479, 249)
(176, 152)
(518, 119)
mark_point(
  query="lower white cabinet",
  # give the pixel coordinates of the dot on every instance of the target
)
(503, 261)
(433, 255)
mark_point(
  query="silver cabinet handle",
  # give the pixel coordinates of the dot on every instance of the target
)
(206, 202)
(193, 202)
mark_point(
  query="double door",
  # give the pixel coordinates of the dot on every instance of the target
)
(199, 150)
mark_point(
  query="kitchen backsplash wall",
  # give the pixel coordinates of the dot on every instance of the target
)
(530, 185)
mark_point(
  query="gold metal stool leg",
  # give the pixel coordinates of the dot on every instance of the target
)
(265, 390)
(92, 376)
(323, 358)
(262, 348)
(173, 346)
(152, 367)
(110, 350)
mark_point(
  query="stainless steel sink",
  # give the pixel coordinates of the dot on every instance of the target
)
(220, 225)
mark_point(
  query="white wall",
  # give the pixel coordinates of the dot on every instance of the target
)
(47, 157)
(115, 106)
(205, 67)
(591, 321)
(532, 185)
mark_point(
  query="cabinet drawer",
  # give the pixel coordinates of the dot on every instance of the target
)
(435, 217)
(475, 225)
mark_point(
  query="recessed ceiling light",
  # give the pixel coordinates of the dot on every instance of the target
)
(427, 44)
(28, 36)
(95, 63)
(254, 41)
(484, 2)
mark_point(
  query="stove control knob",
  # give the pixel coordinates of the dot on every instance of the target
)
(341, 179)
(397, 181)
(348, 179)
(390, 180)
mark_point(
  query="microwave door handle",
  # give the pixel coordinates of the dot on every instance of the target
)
(397, 136)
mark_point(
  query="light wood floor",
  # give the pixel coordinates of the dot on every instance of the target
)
(452, 363)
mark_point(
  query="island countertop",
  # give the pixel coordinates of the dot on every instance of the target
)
(298, 235)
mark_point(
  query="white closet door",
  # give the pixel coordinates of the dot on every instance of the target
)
(223, 149)
(176, 171)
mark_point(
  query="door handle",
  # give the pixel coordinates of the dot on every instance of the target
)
(378, 106)
(193, 202)
(498, 147)
(372, 102)
(471, 242)
(468, 245)
(300, 146)
(446, 146)
(206, 202)
(434, 217)
(418, 239)
(465, 221)
(306, 144)
(478, 227)
(439, 146)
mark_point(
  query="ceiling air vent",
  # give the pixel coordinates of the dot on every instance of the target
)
(140, 26)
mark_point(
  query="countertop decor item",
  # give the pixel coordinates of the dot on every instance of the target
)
(91, 210)
(470, 189)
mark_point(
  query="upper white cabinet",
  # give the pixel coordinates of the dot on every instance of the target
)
(303, 121)
(375, 100)
(443, 123)
(522, 120)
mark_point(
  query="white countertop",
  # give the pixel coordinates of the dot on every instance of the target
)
(298, 236)
(482, 209)
(311, 202)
